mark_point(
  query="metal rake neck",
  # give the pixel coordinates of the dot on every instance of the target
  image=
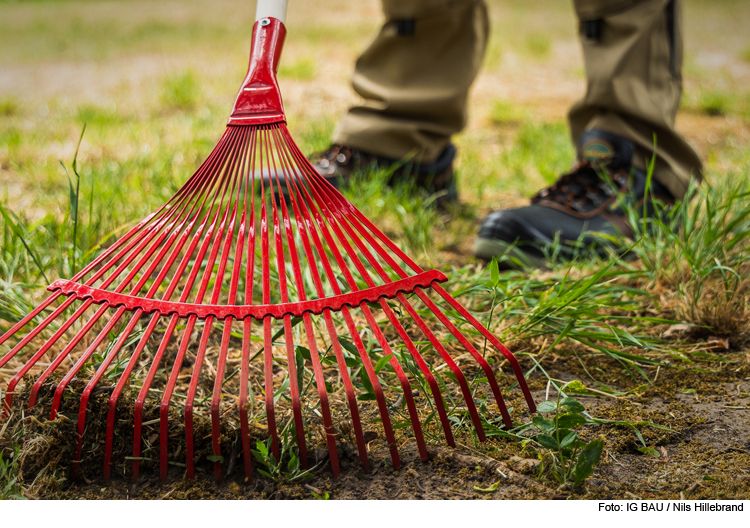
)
(259, 100)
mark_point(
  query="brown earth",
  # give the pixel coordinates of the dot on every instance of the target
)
(703, 454)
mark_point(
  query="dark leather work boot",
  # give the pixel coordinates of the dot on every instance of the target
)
(575, 206)
(339, 163)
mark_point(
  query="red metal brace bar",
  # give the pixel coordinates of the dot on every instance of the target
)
(257, 311)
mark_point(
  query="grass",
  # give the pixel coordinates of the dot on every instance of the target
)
(181, 92)
(302, 69)
(10, 484)
(539, 45)
(63, 198)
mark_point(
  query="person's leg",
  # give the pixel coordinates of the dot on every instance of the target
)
(633, 55)
(414, 79)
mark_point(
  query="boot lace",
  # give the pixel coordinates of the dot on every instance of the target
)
(582, 189)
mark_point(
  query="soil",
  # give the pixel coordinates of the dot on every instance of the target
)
(703, 454)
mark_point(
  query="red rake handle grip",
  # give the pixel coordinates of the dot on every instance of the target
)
(256, 311)
(259, 100)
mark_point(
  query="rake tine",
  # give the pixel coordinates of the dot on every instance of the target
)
(221, 365)
(216, 400)
(244, 420)
(405, 386)
(164, 407)
(434, 388)
(475, 354)
(408, 397)
(30, 363)
(136, 289)
(112, 403)
(59, 310)
(58, 334)
(372, 376)
(23, 322)
(349, 389)
(495, 341)
(66, 351)
(167, 396)
(312, 345)
(83, 359)
(379, 396)
(214, 297)
(267, 341)
(287, 321)
(452, 328)
(247, 323)
(81, 425)
(341, 362)
(361, 349)
(143, 394)
(268, 380)
(333, 210)
(322, 394)
(41, 352)
(294, 386)
(235, 171)
(189, 403)
(20, 324)
(353, 211)
(174, 213)
(183, 297)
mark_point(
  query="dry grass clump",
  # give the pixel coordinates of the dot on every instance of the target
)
(697, 258)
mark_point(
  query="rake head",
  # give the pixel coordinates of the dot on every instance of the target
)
(174, 314)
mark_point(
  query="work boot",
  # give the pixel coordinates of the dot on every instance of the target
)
(577, 205)
(339, 163)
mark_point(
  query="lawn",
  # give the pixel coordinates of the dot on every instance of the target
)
(657, 346)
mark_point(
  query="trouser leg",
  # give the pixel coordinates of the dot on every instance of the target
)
(415, 78)
(633, 55)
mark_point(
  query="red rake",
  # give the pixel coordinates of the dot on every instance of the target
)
(216, 255)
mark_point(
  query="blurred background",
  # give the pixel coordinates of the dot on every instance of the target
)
(154, 82)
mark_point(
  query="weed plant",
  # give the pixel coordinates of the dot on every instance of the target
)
(568, 458)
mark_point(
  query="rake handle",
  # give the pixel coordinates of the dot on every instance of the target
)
(271, 9)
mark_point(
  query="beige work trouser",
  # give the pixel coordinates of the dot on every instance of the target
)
(416, 74)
